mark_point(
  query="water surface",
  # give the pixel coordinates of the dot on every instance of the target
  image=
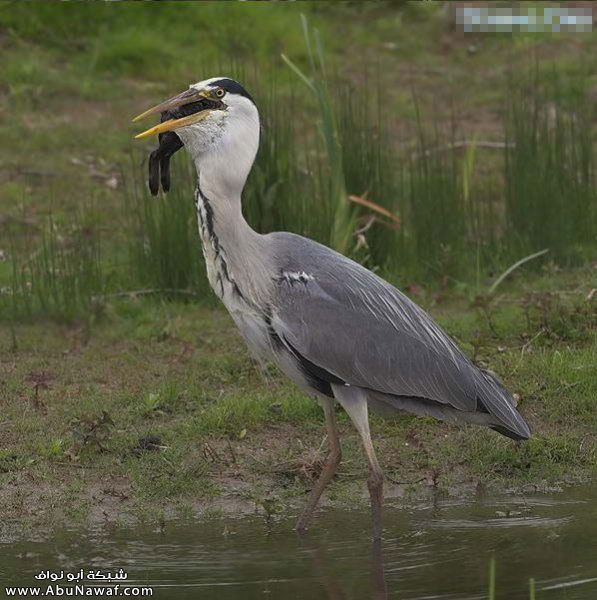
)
(431, 550)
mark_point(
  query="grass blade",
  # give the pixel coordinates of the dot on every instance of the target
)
(515, 266)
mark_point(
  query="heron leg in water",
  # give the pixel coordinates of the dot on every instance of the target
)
(354, 402)
(329, 468)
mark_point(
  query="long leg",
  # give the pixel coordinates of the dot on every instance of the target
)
(329, 468)
(354, 402)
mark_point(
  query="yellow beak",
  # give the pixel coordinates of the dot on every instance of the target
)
(188, 96)
(172, 124)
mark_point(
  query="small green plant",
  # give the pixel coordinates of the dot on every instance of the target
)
(55, 449)
(151, 403)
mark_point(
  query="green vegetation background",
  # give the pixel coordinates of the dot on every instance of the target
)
(481, 144)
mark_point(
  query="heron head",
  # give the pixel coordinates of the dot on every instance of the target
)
(210, 113)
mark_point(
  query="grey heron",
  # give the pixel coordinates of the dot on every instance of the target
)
(336, 329)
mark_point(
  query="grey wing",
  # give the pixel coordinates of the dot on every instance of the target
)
(338, 317)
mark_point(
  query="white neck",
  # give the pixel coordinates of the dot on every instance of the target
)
(224, 149)
(222, 169)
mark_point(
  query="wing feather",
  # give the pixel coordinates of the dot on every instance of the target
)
(356, 326)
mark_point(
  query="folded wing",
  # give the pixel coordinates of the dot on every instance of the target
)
(343, 319)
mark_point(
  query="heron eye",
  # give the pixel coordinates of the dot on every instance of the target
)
(220, 93)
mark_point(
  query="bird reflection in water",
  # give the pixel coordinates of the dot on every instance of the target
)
(328, 579)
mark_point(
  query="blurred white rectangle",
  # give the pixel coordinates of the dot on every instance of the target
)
(554, 18)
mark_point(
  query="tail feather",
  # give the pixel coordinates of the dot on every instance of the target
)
(497, 401)
(508, 433)
(495, 409)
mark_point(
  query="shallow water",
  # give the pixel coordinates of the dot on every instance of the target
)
(433, 550)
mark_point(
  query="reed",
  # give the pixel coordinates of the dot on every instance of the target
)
(333, 186)
(436, 221)
(491, 585)
(550, 193)
(327, 168)
(164, 250)
(63, 278)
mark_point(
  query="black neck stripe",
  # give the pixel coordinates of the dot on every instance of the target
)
(209, 225)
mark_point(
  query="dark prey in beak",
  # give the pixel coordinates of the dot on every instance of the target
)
(159, 161)
(169, 143)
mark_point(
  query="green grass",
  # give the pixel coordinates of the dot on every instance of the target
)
(77, 406)
(139, 40)
(106, 341)
(447, 234)
(466, 214)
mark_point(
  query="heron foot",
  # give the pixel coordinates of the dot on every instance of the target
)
(329, 470)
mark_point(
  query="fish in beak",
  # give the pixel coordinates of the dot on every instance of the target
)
(187, 108)
(159, 162)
